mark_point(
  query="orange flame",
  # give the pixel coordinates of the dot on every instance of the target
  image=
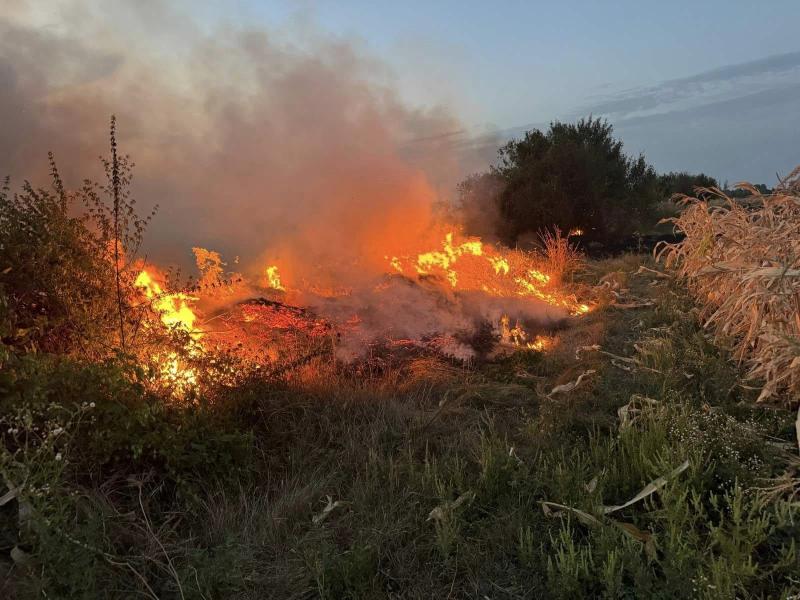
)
(172, 308)
(175, 314)
(473, 265)
(274, 278)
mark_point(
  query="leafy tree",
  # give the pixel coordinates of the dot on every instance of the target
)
(681, 182)
(573, 176)
(479, 204)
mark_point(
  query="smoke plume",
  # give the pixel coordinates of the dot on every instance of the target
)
(251, 143)
(284, 147)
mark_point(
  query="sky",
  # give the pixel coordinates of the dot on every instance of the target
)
(709, 85)
(701, 86)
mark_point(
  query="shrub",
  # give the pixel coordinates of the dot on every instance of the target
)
(574, 176)
(65, 272)
(129, 429)
(681, 182)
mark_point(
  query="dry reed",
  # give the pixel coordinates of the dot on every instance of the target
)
(741, 260)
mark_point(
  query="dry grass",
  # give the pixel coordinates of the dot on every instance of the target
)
(561, 257)
(742, 262)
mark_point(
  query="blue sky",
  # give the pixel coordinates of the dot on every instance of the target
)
(707, 86)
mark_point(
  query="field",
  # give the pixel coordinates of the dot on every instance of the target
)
(316, 300)
(627, 460)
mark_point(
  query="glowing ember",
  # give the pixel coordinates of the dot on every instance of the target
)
(577, 232)
(395, 263)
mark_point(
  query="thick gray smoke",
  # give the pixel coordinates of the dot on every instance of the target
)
(250, 143)
(287, 148)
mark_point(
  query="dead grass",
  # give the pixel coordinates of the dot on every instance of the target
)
(741, 260)
(562, 258)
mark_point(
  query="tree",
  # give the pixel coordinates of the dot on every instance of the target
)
(681, 182)
(479, 204)
(574, 176)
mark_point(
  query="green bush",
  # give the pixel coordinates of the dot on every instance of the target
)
(574, 176)
(67, 263)
(129, 429)
(73, 432)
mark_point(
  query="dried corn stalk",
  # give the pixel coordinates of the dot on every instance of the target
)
(741, 260)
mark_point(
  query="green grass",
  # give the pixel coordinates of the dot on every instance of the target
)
(439, 480)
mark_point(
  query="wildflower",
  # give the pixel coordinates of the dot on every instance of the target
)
(91, 404)
(58, 456)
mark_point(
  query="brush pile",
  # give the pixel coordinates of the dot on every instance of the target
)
(741, 260)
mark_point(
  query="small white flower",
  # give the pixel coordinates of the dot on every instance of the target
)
(58, 456)
(91, 404)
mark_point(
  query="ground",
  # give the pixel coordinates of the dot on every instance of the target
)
(430, 480)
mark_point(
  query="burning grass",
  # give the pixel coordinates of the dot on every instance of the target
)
(216, 441)
(460, 302)
(741, 259)
(411, 475)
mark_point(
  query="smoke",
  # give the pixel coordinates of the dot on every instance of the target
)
(479, 201)
(252, 144)
(284, 147)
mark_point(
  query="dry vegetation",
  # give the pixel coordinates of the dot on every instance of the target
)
(741, 259)
(618, 457)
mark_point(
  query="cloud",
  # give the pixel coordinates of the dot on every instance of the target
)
(737, 122)
(770, 73)
(750, 137)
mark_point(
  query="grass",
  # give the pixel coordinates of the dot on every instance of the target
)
(427, 480)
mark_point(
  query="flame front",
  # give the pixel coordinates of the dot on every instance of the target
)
(461, 266)
(175, 315)
(472, 265)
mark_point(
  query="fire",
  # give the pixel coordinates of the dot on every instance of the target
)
(395, 263)
(267, 331)
(445, 259)
(472, 265)
(172, 308)
(274, 278)
(175, 314)
(517, 336)
(540, 343)
(577, 232)
(499, 264)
